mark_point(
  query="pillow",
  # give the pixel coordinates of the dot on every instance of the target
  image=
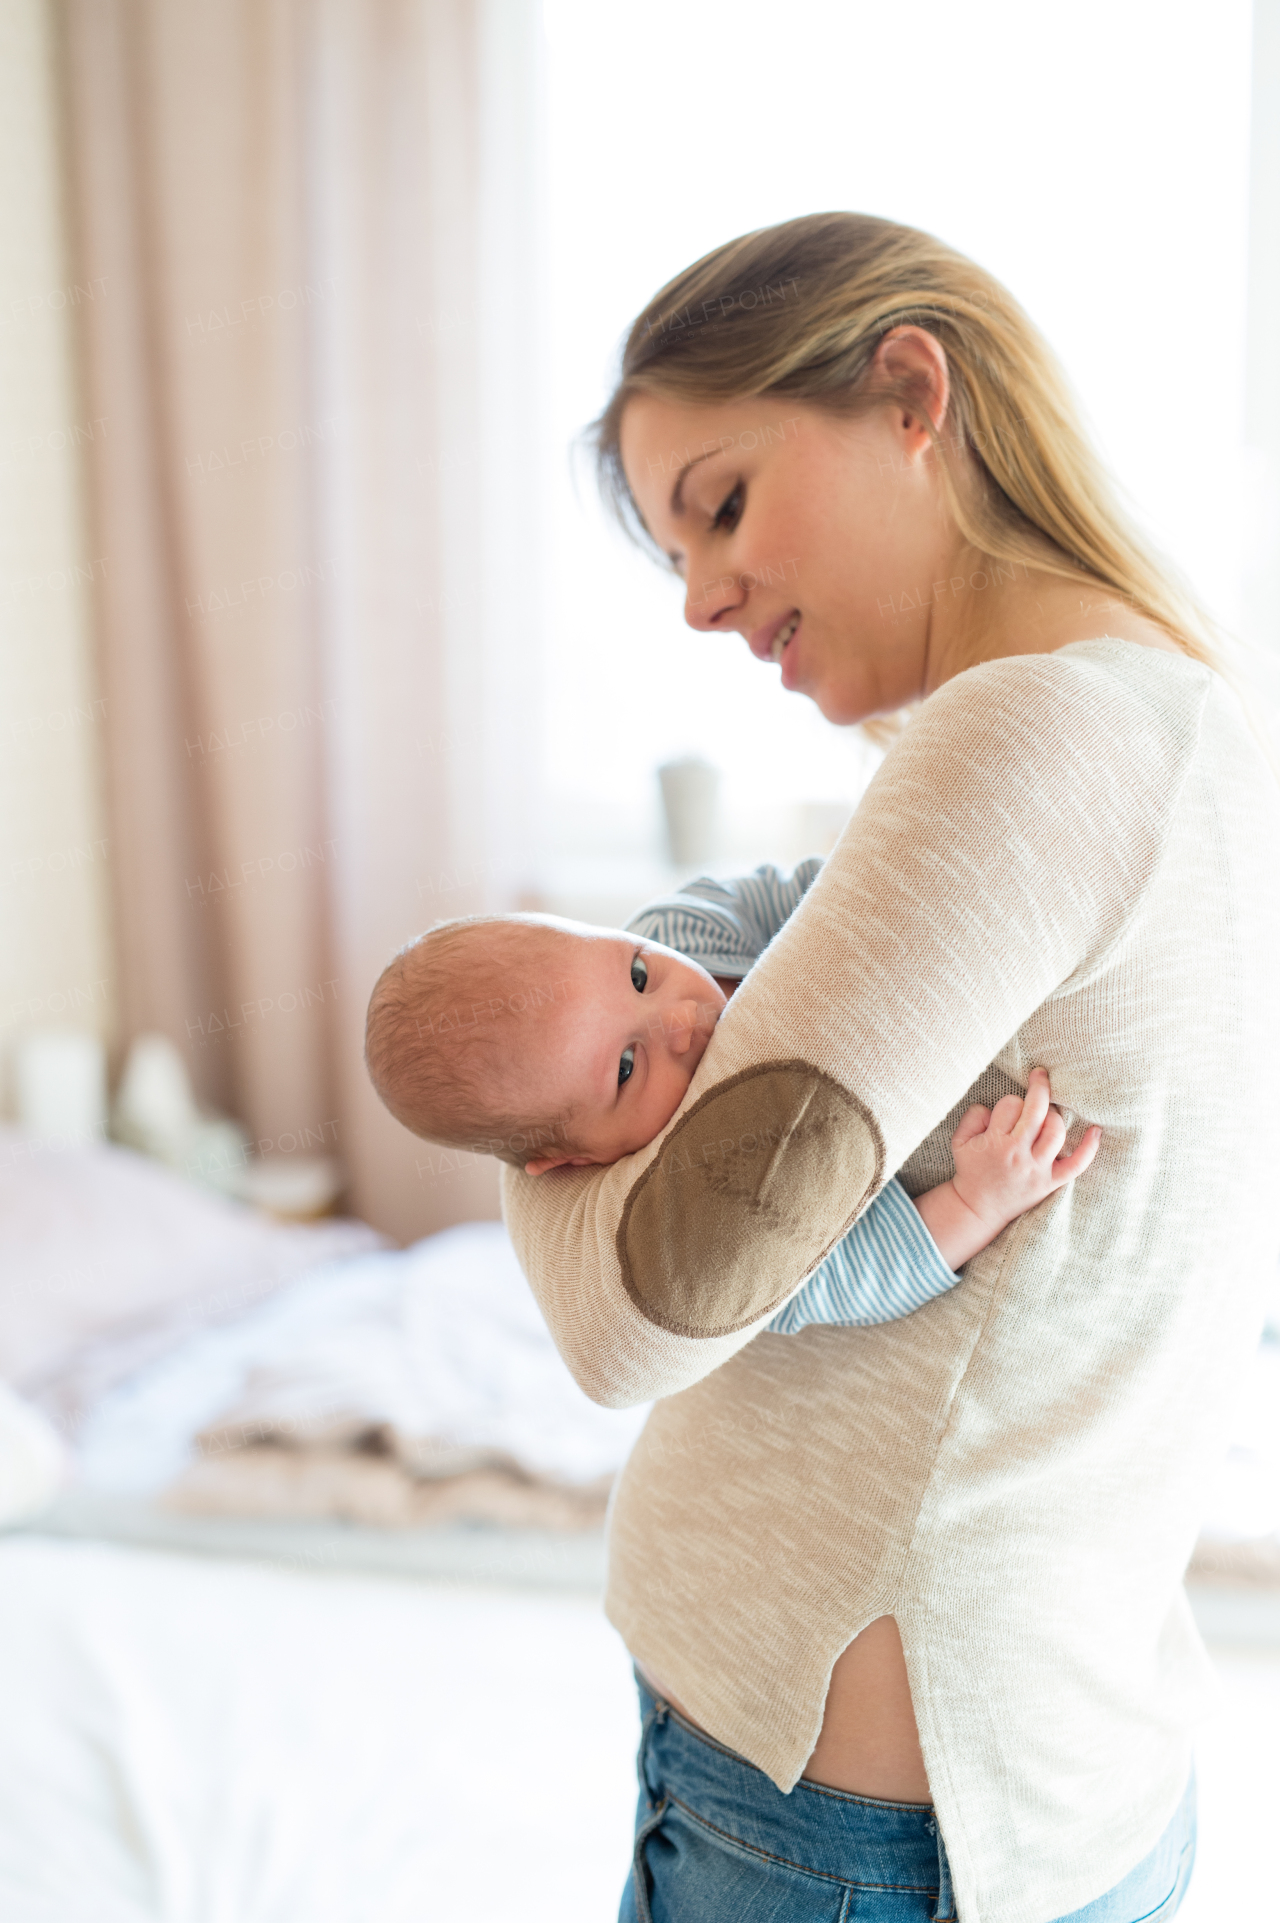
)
(108, 1260)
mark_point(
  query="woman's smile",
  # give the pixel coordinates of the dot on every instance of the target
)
(747, 520)
(768, 643)
(785, 653)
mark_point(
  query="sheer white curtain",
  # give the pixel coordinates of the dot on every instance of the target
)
(318, 619)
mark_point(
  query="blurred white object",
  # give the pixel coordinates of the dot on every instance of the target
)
(296, 1188)
(690, 801)
(33, 1462)
(156, 1111)
(819, 826)
(217, 1154)
(60, 1084)
(155, 1103)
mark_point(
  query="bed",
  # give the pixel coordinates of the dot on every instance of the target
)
(217, 1379)
(308, 1518)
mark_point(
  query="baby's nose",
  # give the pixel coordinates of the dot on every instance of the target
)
(682, 1019)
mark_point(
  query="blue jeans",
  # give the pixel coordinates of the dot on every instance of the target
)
(717, 1842)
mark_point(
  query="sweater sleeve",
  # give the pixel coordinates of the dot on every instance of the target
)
(884, 1268)
(888, 1264)
(727, 925)
(998, 855)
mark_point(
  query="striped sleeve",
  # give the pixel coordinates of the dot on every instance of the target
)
(887, 1265)
(727, 925)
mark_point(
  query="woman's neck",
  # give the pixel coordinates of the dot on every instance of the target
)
(1012, 608)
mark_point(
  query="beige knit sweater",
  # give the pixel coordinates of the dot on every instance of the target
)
(1068, 860)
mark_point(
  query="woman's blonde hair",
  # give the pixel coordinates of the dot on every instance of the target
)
(796, 312)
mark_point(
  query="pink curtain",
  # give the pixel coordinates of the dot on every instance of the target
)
(315, 228)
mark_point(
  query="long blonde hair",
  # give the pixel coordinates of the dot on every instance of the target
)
(797, 311)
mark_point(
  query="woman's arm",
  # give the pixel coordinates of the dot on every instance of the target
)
(889, 1263)
(1003, 846)
(887, 1266)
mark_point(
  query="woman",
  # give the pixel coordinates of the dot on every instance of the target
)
(906, 1601)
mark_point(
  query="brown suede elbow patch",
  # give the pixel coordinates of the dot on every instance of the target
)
(742, 1198)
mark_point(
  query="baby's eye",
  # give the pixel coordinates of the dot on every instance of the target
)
(639, 974)
(626, 1065)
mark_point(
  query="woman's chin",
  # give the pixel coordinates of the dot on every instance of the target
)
(839, 706)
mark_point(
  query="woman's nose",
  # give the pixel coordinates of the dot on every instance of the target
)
(710, 599)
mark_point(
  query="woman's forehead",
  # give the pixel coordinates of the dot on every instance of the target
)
(663, 443)
(663, 436)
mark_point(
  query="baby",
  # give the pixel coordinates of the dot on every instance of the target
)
(552, 1044)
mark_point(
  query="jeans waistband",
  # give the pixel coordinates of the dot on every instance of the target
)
(855, 1840)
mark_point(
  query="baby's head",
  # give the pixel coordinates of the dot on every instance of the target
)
(540, 1041)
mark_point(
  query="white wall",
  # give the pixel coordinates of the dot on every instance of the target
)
(55, 965)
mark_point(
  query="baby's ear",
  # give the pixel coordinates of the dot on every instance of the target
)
(545, 1162)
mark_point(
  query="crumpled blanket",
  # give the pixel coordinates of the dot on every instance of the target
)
(393, 1389)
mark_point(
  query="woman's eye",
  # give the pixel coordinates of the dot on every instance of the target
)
(730, 512)
(626, 1065)
(639, 974)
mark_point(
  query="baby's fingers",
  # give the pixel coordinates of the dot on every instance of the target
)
(1035, 1106)
(1006, 1114)
(1050, 1138)
(1067, 1167)
(974, 1121)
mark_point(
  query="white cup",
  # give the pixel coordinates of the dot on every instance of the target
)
(690, 798)
(60, 1084)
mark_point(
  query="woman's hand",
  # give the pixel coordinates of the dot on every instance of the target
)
(1007, 1159)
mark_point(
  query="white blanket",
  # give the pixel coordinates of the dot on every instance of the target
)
(363, 1391)
(194, 1742)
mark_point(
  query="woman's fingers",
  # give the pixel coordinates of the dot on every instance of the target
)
(1067, 1167)
(974, 1121)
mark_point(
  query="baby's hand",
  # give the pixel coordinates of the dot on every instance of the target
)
(1007, 1158)
(1006, 1161)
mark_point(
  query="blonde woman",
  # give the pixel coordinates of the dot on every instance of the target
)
(906, 1601)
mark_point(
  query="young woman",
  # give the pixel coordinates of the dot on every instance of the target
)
(906, 1602)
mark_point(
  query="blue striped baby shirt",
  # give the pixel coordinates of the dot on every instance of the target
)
(888, 1264)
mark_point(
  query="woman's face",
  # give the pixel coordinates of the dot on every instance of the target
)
(824, 542)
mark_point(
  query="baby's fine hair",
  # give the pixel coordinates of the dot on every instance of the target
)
(443, 1033)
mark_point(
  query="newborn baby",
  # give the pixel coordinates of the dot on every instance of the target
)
(551, 1044)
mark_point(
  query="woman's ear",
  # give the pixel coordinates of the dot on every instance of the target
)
(912, 363)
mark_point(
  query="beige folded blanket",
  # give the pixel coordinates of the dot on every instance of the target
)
(258, 1461)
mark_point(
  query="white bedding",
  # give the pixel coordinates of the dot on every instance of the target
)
(195, 1742)
(333, 1377)
(374, 1384)
(108, 1261)
(203, 1356)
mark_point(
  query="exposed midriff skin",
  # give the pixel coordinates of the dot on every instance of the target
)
(868, 1743)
